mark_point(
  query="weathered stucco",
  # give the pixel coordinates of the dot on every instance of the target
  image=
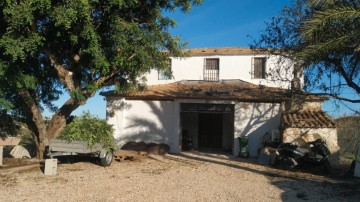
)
(300, 136)
(254, 120)
(148, 121)
(159, 122)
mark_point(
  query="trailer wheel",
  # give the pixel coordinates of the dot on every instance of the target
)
(107, 160)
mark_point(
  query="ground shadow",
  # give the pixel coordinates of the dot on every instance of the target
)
(295, 186)
(72, 159)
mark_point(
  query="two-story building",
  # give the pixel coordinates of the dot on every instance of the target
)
(213, 97)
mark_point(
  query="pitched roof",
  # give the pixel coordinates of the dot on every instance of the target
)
(308, 119)
(223, 51)
(222, 90)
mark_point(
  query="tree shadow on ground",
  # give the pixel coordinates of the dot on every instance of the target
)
(295, 186)
(72, 159)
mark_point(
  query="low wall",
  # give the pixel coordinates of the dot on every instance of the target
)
(300, 136)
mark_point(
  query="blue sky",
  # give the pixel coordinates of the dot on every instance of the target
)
(216, 23)
(225, 23)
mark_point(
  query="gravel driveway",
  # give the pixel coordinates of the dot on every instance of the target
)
(186, 177)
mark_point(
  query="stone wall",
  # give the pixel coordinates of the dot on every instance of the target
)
(316, 106)
(300, 136)
(299, 105)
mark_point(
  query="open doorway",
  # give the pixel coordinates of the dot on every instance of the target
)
(207, 127)
(210, 131)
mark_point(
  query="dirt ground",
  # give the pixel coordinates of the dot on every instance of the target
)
(187, 177)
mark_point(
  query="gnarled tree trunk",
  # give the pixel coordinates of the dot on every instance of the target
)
(58, 121)
(35, 122)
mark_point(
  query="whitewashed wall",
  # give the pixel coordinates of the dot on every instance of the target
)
(231, 67)
(254, 120)
(148, 121)
(159, 122)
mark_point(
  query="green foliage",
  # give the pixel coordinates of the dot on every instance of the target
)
(4, 104)
(77, 95)
(91, 129)
(323, 36)
(79, 47)
(8, 126)
(333, 28)
(114, 42)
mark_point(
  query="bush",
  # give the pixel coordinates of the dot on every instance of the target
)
(91, 129)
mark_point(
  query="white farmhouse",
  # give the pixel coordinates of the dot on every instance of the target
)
(215, 96)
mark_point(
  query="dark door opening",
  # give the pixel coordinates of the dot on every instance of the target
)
(210, 130)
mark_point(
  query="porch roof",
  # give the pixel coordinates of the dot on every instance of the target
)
(307, 119)
(223, 90)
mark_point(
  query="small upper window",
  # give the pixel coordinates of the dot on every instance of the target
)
(165, 74)
(211, 69)
(212, 64)
(259, 68)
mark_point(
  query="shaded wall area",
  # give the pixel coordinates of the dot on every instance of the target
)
(147, 121)
(253, 120)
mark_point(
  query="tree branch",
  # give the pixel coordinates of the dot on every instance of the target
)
(112, 74)
(338, 97)
(340, 68)
(353, 69)
(348, 80)
(64, 75)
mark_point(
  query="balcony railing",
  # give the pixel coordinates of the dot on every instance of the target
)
(211, 75)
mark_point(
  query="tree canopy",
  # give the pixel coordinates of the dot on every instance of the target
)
(48, 47)
(323, 36)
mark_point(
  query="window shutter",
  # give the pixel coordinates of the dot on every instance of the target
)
(258, 68)
(264, 69)
(252, 67)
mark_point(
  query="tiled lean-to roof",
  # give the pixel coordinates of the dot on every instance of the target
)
(307, 119)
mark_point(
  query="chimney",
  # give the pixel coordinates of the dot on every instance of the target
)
(296, 102)
(296, 81)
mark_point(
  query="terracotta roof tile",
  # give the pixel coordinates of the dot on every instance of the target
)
(307, 119)
(223, 90)
(223, 51)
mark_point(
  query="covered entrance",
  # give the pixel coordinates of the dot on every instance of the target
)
(207, 126)
(210, 130)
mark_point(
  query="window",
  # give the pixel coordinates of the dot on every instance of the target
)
(211, 69)
(258, 68)
(165, 74)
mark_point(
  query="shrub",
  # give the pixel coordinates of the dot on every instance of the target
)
(91, 129)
